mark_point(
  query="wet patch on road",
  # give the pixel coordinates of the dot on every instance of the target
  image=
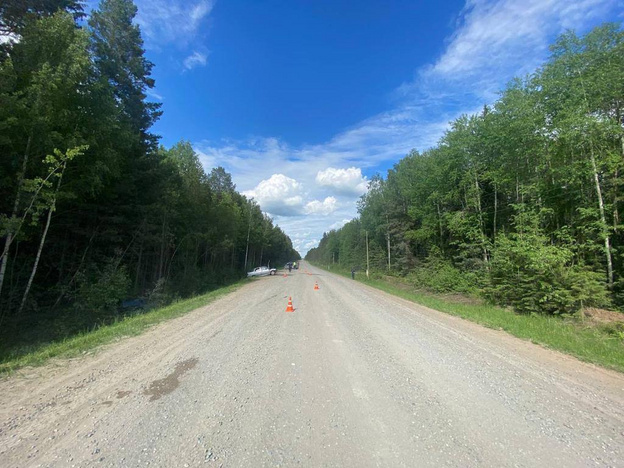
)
(123, 393)
(161, 387)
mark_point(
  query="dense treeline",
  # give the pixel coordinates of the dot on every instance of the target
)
(92, 210)
(521, 202)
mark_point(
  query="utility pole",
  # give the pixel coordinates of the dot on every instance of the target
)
(388, 239)
(248, 232)
(367, 262)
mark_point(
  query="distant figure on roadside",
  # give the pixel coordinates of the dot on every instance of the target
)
(289, 267)
(352, 272)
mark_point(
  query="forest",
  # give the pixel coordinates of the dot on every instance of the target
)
(519, 203)
(94, 213)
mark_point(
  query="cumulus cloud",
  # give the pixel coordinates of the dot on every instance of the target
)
(325, 207)
(348, 181)
(278, 195)
(194, 60)
(493, 41)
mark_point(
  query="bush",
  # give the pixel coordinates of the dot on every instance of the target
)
(102, 290)
(439, 275)
(534, 276)
(614, 330)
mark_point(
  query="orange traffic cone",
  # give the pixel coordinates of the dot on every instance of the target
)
(290, 307)
(316, 288)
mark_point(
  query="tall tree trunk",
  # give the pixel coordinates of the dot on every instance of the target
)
(161, 263)
(9, 238)
(481, 222)
(13, 286)
(616, 199)
(607, 239)
(603, 220)
(197, 257)
(440, 223)
(495, 212)
(138, 269)
(42, 242)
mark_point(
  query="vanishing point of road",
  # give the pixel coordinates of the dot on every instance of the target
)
(352, 378)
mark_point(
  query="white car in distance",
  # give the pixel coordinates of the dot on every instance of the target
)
(261, 271)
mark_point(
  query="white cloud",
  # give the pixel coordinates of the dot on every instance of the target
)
(325, 207)
(194, 60)
(310, 244)
(153, 94)
(171, 21)
(496, 40)
(349, 181)
(493, 42)
(278, 195)
(339, 224)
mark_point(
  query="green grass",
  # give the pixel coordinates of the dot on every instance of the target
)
(88, 340)
(587, 343)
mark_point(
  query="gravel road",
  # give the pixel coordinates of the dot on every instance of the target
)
(354, 377)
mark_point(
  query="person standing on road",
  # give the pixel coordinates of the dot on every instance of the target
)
(352, 273)
(289, 267)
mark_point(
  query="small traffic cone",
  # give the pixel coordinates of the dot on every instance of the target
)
(316, 288)
(290, 307)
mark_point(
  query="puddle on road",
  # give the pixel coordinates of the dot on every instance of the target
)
(161, 387)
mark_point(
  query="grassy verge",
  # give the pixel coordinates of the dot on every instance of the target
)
(88, 340)
(576, 338)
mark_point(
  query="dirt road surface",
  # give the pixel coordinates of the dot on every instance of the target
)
(354, 377)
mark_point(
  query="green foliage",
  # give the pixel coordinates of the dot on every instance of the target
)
(614, 330)
(439, 275)
(103, 289)
(173, 229)
(554, 144)
(15, 13)
(533, 275)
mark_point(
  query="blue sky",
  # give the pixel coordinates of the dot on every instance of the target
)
(303, 100)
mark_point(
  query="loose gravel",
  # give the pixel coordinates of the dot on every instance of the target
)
(353, 378)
